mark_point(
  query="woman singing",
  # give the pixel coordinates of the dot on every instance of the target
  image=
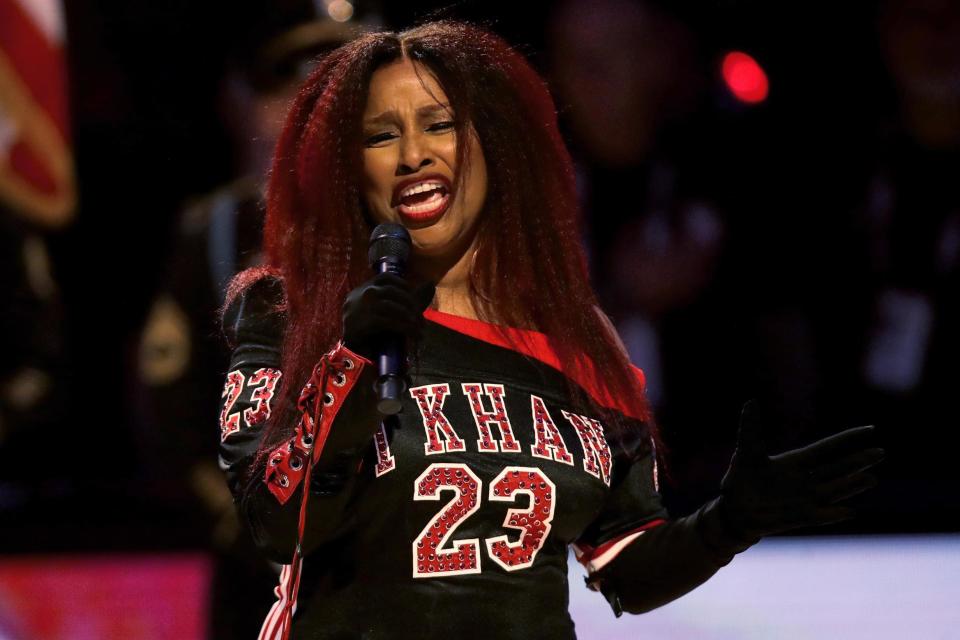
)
(524, 428)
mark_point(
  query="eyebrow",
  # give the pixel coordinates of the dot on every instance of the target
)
(389, 116)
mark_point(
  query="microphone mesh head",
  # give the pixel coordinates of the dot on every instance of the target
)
(389, 241)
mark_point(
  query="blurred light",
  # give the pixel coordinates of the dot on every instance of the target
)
(340, 10)
(745, 78)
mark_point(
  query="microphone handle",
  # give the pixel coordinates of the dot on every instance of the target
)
(390, 385)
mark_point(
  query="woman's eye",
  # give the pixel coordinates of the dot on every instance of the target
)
(380, 137)
(374, 140)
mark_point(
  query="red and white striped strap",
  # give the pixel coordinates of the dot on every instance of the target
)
(291, 463)
(272, 624)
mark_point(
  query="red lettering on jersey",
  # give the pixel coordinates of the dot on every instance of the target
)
(549, 443)
(385, 459)
(430, 400)
(261, 410)
(430, 559)
(230, 422)
(596, 452)
(534, 521)
(484, 419)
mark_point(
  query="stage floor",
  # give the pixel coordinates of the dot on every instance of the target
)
(851, 587)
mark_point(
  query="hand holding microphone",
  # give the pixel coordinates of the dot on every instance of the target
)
(384, 306)
(380, 314)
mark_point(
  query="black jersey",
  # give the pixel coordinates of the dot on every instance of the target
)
(458, 521)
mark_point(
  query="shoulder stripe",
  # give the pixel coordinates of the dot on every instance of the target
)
(537, 345)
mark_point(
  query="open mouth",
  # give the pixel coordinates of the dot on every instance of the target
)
(424, 200)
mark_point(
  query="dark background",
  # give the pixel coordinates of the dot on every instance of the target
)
(782, 307)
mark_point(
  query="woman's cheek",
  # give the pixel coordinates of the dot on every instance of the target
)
(376, 191)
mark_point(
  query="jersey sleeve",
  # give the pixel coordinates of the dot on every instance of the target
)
(636, 554)
(632, 506)
(253, 329)
(268, 495)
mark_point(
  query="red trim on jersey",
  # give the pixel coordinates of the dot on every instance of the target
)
(536, 345)
(288, 464)
(588, 553)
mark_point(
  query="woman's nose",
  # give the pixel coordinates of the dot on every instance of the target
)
(414, 154)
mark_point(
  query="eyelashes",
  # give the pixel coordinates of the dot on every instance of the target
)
(380, 137)
(437, 127)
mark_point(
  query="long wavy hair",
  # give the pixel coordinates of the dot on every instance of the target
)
(529, 270)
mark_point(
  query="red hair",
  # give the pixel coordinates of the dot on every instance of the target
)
(529, 271)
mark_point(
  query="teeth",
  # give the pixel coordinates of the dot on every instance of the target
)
(420, 188)
(431, 203)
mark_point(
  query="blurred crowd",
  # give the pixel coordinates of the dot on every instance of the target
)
(803, 249)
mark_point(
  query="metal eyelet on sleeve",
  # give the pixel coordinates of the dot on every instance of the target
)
(290, 470)
(290, 462)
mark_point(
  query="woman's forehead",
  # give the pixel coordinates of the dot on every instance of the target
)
(403, 85)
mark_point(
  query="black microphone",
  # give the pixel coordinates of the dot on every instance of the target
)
(389, 250)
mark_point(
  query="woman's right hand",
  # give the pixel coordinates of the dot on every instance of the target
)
(384, 305)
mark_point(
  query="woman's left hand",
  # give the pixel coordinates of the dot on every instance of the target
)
(762, 494)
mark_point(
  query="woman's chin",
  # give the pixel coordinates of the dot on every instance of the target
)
(443, 243)
(428, 250)
(430, 241)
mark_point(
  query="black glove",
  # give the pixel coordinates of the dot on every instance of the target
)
(385, 305)
(761, 494)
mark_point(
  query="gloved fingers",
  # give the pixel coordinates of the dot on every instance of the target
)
(390, 279)
(379, 330)
(789, 514)
(834, 445)
(779, 498)
(393, 312)
(384, 319)
(849, 464)
(750, 440)
(390, 293)
(843, 488)
(391, 320)
(809, 515)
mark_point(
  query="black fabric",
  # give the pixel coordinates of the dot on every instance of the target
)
(358, 575)
(668, 561)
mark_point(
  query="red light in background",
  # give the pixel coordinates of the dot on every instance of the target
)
(745, 78)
